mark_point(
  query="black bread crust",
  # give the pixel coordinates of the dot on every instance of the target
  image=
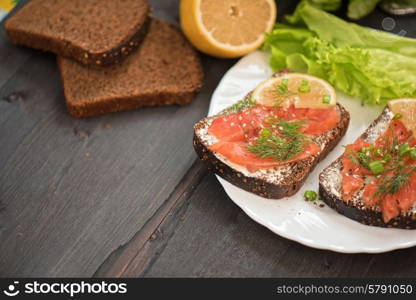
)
(364, 215)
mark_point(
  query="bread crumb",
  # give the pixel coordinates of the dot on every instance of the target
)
(81, 134)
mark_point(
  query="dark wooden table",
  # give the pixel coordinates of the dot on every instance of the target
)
(124, 195)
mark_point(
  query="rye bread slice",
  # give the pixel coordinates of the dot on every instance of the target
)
(93, 32)
(164, 70)
(330, 187)
(274, 183)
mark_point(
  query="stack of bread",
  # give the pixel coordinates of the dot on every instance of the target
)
(112, 55)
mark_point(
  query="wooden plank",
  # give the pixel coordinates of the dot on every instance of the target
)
(122, 258)
(72, 191)
(209, 236)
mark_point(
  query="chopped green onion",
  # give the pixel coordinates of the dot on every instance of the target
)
(377, 167)
(404, 149)
(364, 159)
(304, 87)
(413, 153)
(310, 195)
(283, 88)
(397, 116)
(387, 157)
(367, 149)
(326, 99)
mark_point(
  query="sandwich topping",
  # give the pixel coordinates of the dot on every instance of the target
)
(385, 171)
(272, 127)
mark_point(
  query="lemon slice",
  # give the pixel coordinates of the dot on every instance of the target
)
(301, 90)
(227, 28)
(406, 109)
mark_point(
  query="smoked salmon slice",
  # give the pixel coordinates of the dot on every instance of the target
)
(236, 132)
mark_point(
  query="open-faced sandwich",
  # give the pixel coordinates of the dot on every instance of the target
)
(270, 141)
(374, 181)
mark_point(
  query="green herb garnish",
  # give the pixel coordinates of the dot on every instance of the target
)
(379, 152)
(326, 99)
(310, 195)
(412, 154)
(392, 184)
(362, 158)
(397, 116)
(304, 87)
(283, 88)
(247, 102)
(377, 167)
(393, 167)
(404, 149)
(281, 141)
(317, 41)
(367, 149)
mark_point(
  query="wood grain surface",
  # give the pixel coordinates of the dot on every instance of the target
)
(72, 190)
(123, 194)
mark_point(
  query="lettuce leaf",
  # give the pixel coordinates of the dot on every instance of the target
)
(361, 62)
(335, 30)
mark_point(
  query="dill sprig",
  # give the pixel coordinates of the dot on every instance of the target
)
(281, 141)
(392, 184)
(389, 153)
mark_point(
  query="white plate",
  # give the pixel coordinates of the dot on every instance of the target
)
(292, 217)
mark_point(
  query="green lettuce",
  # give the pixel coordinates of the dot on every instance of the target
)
(361, 62)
